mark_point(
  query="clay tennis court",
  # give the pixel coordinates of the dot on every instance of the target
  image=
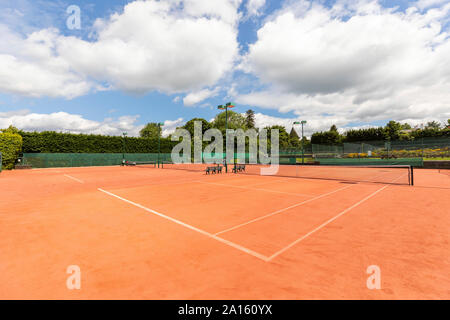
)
(149, 233)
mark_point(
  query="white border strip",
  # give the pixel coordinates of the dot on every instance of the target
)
(229, 243)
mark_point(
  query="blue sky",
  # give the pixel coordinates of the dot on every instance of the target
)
(352, 63)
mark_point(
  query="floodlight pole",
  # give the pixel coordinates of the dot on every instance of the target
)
(226, 106)
(303, 150)
(159, 140)
(123, 148)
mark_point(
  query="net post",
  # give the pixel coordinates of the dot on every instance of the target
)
(412, 175)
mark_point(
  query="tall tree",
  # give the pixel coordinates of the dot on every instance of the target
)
(393, 130)
(369, 134)
(10, 129)
(333, 128)
(235, 121)
(283, 135)
(151, 130)
(294, 140)
(189, 126)
(250, 119)
(433, 125)
(327, 137)
(406, 126)
(293, 134)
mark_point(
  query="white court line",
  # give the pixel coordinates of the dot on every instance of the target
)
(73, 178)
(229, 243)
(324, 224)
(330, 220)
(281, 210)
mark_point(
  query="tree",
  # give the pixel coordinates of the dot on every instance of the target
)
(327, 137)
(433, 125)
(294, 140)
(250, 119)
(235, 121)
(10, 147)
(406, 126)
(282, 133)
(10, 129)
(369, 134)
(189, 126)
(393, 130)
(151, 130)
(306, 143)
(330, 137)
(293, 134)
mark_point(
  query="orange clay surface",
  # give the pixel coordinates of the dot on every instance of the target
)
(147, 233)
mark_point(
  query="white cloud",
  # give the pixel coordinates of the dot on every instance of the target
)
(66, 122)
(254, 7)
(170, 126)
(74, 123)
(423, 4)
(198, 96)
(225, 10)
(318, 123)
(312, 125)
(7, 114)
(170, 46)
(343, 109)
(30, 67)
(354, 62)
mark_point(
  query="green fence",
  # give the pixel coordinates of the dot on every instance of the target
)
(411, 152)
(416, 162)
(52, 160)
(400, 152)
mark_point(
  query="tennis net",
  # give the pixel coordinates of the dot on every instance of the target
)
(184, 166)
(393, 174)
(142, 164)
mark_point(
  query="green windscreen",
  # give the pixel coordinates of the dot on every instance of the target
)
(53, 160)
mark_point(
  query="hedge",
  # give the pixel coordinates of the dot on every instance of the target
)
(56, 142)
(10, 146)
(369, 134)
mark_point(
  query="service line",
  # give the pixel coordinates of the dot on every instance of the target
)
(210, 235)
(282, 210)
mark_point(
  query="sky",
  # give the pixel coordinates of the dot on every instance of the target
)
(108, 67)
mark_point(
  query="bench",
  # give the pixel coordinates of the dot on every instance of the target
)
(239, 168)
(214, 169)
